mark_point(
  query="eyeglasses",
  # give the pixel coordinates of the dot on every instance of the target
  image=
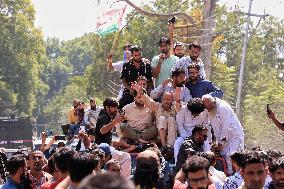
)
(202, 180)
(37, 157)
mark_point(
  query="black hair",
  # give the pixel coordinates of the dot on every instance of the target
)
(276, 164)
(164, 40)
(14, 163)
(177, 72)
(253, 157)
(274, 153)
(197, 128)
(92, 100)
(195, 45)
(194, 164)
(90, 131)
(127, 46)
(147, 172)
(196, 66)
(50, 164)
(211, 157)
(108, 102)
(135, 48)
(62, 157)
(177, 44)
(238, 157)
(142, 77)
(80, 165)
(195, 106)
(33, 151)
(106, 181)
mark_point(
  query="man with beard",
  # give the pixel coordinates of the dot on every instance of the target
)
(228, 130)
(179, 50)
(199, 86)
(193, 58)
(16, 166)
(130, 72)
(107, 121)
(139, 123)
(163, 63)
(276, 171)
(170, 85)
(253, 171)
(92, 113)
(194, 174)
(165, 114)
(192, 144)
(35, 176)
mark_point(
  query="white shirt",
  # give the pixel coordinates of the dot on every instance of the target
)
(226, 125)
(185, 95)
(185, 61)
(92, 115)
(186, 121)
(234, 181)
(124, 161)
(118, 66)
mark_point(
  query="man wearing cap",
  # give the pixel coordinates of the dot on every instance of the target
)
(123, 158)
(163, 63)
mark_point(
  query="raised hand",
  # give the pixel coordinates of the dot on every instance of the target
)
(166, 82)
(109, 56)
(136, 87)
(176, 94)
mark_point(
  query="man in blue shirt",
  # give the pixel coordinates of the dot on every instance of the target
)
(198, 86)
(16, 166)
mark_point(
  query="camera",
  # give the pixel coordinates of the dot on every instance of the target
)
(172, 20)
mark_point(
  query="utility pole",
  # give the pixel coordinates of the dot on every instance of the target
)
(239, 96)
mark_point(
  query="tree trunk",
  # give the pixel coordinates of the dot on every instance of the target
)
(207, 34)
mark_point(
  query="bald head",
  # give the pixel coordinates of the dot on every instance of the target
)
(167, 100)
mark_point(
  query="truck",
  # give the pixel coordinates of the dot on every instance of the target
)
(16, 132)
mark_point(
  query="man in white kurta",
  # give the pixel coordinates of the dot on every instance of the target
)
(185, 123)
(226, 125)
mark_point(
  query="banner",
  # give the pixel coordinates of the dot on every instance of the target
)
(110, 21)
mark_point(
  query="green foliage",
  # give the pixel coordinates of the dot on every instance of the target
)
(42, 78)
(21, 53)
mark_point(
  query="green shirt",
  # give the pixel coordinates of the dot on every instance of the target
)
(166, 68)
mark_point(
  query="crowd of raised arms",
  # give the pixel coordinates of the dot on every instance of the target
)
(168, 128)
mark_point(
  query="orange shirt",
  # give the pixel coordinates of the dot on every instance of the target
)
(72, 117)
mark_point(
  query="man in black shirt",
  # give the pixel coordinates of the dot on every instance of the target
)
(106, 121)
(130, 72)
(191, 145)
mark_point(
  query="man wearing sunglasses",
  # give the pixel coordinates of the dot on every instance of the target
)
(191, 145)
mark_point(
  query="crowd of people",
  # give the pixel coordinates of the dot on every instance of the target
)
(166, 112)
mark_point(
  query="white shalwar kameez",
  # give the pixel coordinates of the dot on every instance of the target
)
(227, 130)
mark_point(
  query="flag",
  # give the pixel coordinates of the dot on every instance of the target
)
(110, 21)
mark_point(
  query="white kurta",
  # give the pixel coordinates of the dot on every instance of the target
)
(185, 124)
(227, 129)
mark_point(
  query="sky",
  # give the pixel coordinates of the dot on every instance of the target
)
(68, 19)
